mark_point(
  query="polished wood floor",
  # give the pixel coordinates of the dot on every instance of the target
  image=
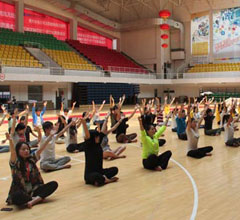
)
(140, 194)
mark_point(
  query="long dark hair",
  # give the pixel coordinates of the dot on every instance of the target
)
(20, 159)
(61, 124)
(147, 128)
(72, 129)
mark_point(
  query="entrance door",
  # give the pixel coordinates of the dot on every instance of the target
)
(63, 96)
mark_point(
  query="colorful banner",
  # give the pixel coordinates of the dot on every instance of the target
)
(7, 16)
(41, 23)
(88, 37)
(226, 32)
(200, 35)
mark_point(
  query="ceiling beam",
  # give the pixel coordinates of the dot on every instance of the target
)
(209, 4)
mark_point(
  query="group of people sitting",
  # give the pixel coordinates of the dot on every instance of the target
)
(28, 187)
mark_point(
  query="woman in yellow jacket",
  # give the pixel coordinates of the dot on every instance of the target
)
(150, 147)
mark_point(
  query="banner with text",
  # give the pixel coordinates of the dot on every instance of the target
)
(226, 33)
(41, 23)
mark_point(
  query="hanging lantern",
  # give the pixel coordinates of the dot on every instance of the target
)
(164, 27)
(164, 36)
(164, 45)
(165, 14)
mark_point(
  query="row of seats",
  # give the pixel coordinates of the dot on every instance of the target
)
(224, 95)
(215, 67)
(69, 60)
(105, 57)
(32, 39)
(17, 56)
(62, 53)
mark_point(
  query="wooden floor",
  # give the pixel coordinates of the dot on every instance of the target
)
(141, 194)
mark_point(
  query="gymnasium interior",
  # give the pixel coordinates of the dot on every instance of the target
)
(66, 51)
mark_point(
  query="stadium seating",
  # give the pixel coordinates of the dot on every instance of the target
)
(58, 50)
(107, 58)
(215, 67)
(69, 60)
(17, 56)
(31, 39)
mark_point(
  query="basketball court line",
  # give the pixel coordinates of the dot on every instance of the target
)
(195, 190)
(194, 185)
(73, 158)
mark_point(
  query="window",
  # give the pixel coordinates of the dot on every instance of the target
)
(35, 93)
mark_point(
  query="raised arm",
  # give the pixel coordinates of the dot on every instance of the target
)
(214, 109)
(78, 123)
(180, 111)
(93, 110)
(13, 154)
(133, 113)
(33, 110)
(101, 107)
(64, 129)
(143, 106)
(62, 120)
(112, 102)
(44, 108)
(14, 121)
(62, 106)
(121, 101)
(172, 101)
(26, 117)
(73, 106)
(44, 144)
(167, 119)
(202, 116)
(86, 131)
(189, 117)
(4, 115)
(140, 123)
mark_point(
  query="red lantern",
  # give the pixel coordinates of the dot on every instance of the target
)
(164, 26)
(164, 36)
(165, 14)
(164, 45)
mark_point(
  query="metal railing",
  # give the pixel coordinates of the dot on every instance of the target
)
(81, 67)
(199, 60)
(119, 69)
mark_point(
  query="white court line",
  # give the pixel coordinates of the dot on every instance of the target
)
(73, 158)
(195, 190)
(194, 185)
(5, 178)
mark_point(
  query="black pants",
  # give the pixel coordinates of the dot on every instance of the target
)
(161, 142)
(200, 152)
(20, 198)
(234, 142)
(73, 147)
(213, 132)
(126, 138)
(97, 179)
(154, 161)
(182, 136)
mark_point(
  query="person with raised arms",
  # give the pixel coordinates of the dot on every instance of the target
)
(27, 188)
(192, 131)
(94, 173)
(150, 147)
(229, 128)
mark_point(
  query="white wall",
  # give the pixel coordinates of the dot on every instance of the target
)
(147, 91)
(20, 90)
(144, 46)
